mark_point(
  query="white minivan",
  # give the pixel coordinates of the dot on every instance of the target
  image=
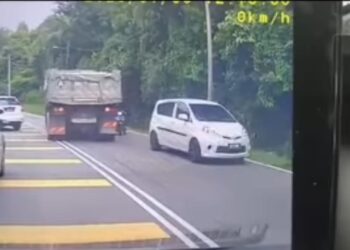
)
(202, 128)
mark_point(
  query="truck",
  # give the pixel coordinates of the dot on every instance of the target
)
(82, 102)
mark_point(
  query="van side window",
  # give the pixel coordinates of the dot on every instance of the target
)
(166, 109)
(182, 109)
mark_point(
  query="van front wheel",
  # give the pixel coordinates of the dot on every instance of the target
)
(194, 151)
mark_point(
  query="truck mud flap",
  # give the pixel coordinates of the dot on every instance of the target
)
(57, 126)
(108, 127)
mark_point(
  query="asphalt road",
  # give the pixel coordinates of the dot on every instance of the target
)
(179, 204)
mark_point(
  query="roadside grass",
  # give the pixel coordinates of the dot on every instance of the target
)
(34, 108)
(271, 158)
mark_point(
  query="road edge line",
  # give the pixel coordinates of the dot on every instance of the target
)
(151, 199)
(269, 166)
(177, 232)
(248, 160)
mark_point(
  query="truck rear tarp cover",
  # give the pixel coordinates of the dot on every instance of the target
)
(74, 87)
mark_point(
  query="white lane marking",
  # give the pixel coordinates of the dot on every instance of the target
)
(151, 199)
(146, 207)
(248, 160)
(89, 160)
(269, 166)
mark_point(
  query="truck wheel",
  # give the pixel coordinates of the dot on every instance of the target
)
(56, 137)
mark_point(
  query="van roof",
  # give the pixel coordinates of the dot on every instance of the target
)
(187, 101)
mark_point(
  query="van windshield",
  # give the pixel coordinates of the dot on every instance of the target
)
(211, 113)
(8, 101)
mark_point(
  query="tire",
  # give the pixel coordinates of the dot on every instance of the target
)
(154, 143)
(194, 151)
(2, 162)
(240, 161)
(2, 167)
(17, 126)
(56, 137)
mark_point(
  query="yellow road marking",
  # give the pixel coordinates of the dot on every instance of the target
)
(26, 140)
(54, 183)
(42, 161)
(33, 148)
(82, 234)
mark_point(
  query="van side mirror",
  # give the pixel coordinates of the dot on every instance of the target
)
(183, 117)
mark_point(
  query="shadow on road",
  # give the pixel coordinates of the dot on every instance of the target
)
(210, 162)
(7, 129)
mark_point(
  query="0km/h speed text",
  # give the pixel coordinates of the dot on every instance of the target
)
(250, 17)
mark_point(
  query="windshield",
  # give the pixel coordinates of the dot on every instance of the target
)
(202, 157)
(8, 101)
(211, 113)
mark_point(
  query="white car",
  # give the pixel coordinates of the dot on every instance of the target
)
(11, 112)
(202, 128)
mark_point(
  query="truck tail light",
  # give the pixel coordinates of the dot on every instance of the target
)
(111, 110)
(58, 110)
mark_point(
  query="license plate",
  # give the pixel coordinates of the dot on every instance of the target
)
(84, 120)
(233, 146)
(9, 109)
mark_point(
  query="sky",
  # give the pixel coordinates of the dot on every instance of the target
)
(31, 12)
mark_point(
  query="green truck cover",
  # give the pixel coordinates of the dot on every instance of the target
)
(77, 87)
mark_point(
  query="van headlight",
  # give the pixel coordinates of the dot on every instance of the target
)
(210, 131)
(245, 133)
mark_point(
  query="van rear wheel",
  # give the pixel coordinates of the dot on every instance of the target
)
(155, 146)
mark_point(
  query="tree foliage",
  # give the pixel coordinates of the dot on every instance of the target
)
(162, 52)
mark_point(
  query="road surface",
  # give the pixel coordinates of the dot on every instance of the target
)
(137, 197)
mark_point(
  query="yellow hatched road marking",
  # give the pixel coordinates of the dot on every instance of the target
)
(33, 148)
(43, 161)
(26, 140)
(81, 234)
(54, 183)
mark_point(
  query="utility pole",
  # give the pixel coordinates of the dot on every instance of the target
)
(209, 49)
(67, 53)
(9, 75)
